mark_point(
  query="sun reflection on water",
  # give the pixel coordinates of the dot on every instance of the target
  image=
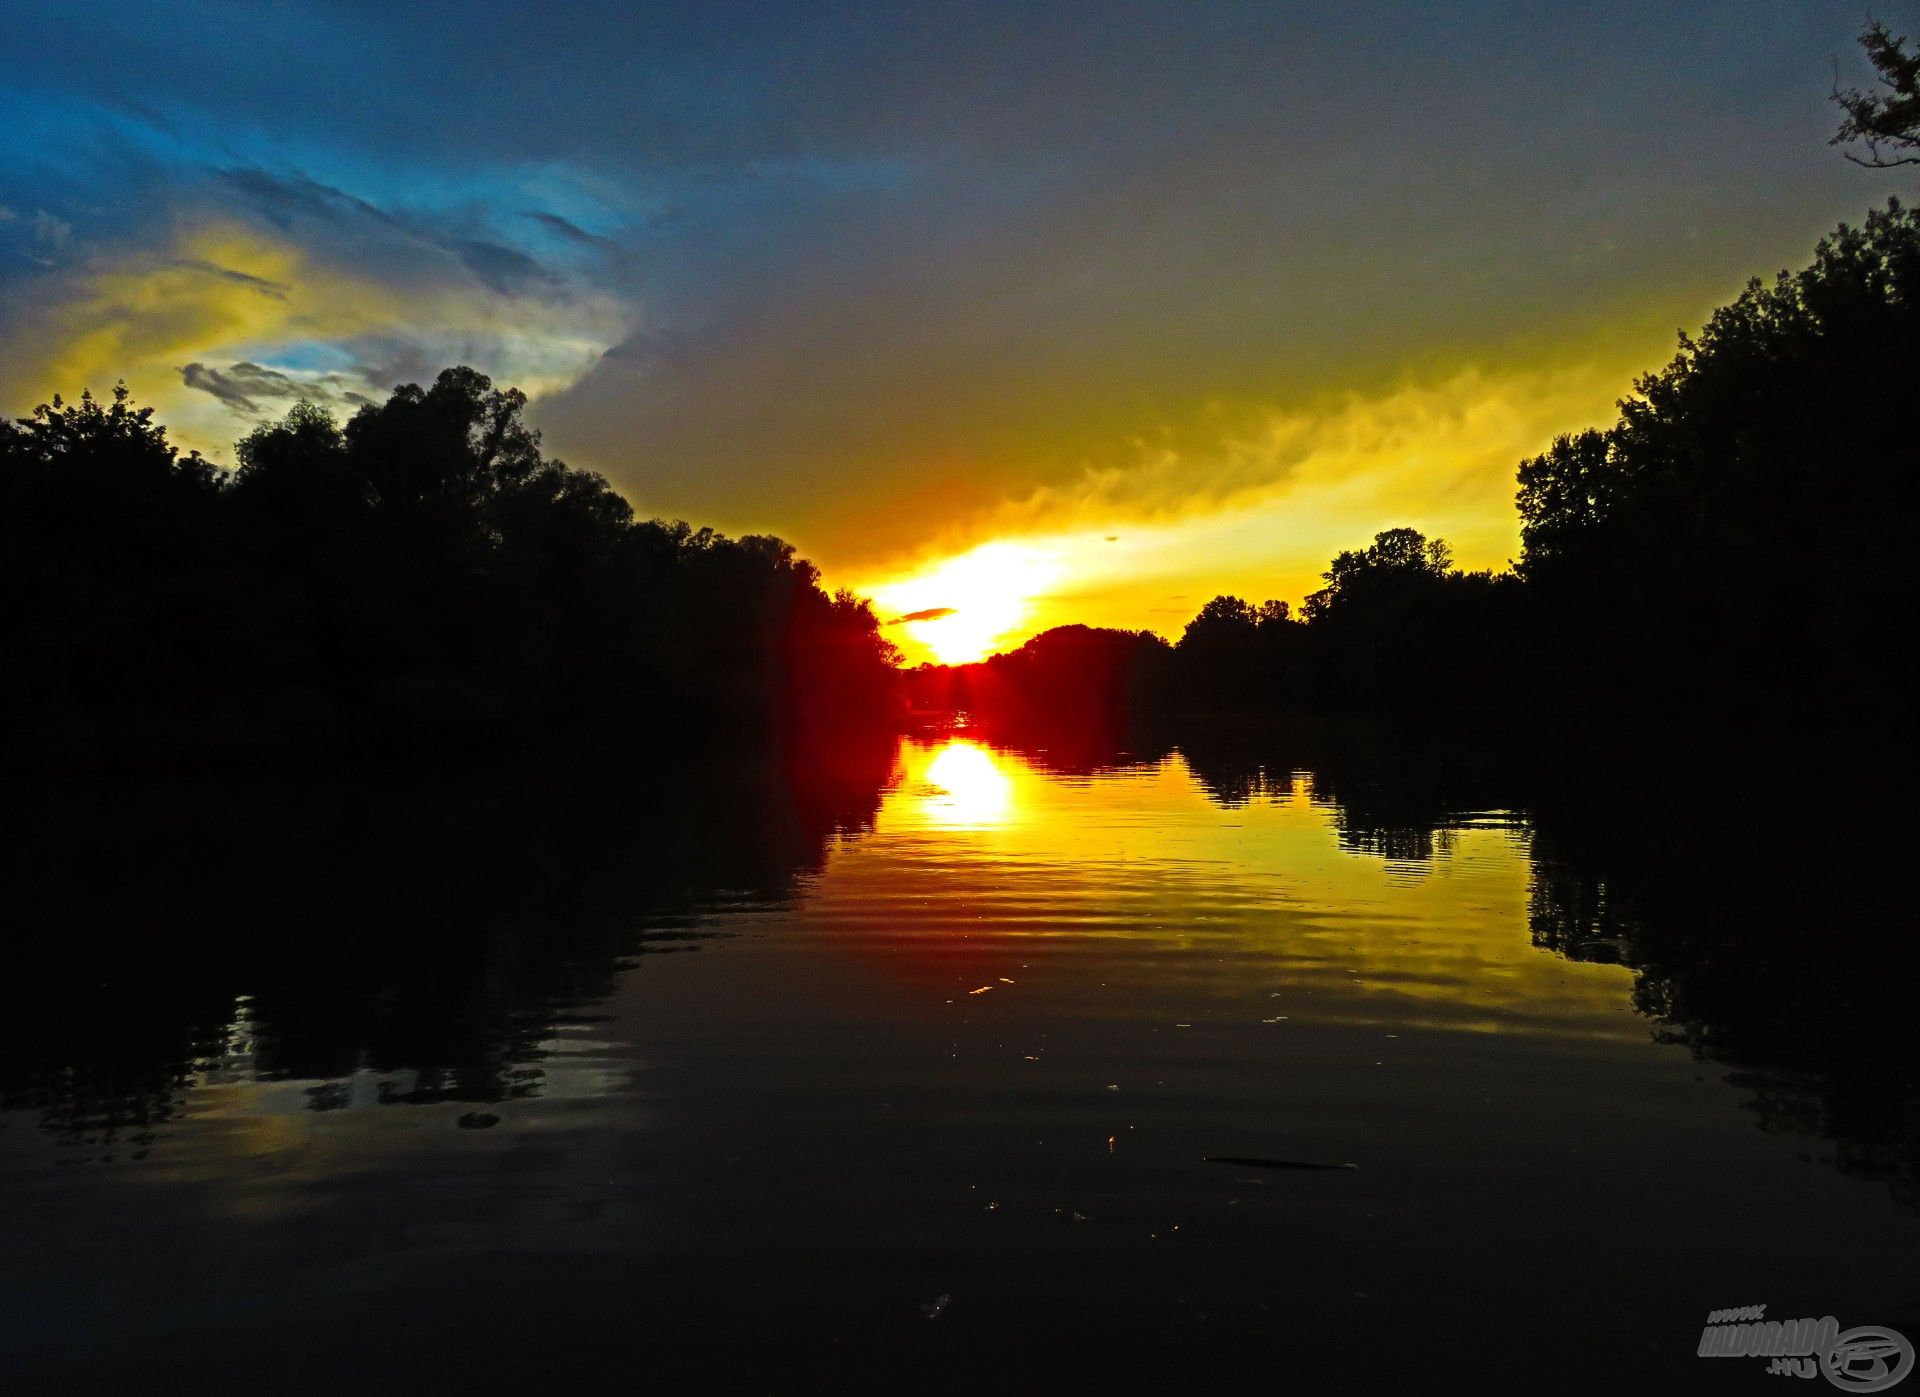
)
(967, 787)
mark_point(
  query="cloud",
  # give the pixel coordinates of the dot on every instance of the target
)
(257, 392)
(500, 269)
(892, 282)
(929, 613)
(1261, 511)
(569, 230)
(54, 232)
(48, 233)
(1441, 446)
(290, 199)
(276, 289)
(1434, 436)
(287, 197)
(227, 321)
(241, 386)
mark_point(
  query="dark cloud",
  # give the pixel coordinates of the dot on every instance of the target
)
(265, 286)
(256, 391)
(285, 197)
(499, 268)
(569, 230)
(898, 263)
(243, 386)
(931, 613)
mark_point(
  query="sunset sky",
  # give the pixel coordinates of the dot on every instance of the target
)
(1008, 314)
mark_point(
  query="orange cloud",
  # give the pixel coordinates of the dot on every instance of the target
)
(1142, 546)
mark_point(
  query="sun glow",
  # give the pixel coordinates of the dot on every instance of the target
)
(967, 787)
(966, 607)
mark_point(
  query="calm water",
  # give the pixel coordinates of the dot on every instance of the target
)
(909, 1072)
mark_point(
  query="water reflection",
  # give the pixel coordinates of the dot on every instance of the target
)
(423, 945)
(898, 1017)
(966, 786)
(443, 938)
(1746, 921)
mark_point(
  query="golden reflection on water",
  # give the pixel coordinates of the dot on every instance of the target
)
(961, 785)
(1014, 1001)
(989, 888)
(1130, 885)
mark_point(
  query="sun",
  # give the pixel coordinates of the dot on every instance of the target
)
(966, 607)
(968, 634)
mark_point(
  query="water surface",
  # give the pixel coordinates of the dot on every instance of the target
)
(920, 1071)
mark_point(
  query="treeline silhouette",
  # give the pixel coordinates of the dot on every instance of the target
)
(420, 577)
(1738, 547)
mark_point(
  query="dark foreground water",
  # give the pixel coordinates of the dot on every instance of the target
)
(919, 1073)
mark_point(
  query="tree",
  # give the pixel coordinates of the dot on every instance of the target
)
(98, 487)
(423, 575)
(1396, 562)
(1743, 535)
(1567, 496)
(1222, 620)
(1888, 123)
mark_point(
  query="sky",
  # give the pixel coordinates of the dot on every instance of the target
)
(1005, 315)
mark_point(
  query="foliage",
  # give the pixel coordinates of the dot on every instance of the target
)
(1745, 530)
(1738, 545)
(1888, 123)
(419, 576)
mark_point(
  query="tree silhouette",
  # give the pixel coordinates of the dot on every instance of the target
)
(1744, 531)
(1887, 123)
(1399, 562)
(1738, 543)
(419, 577)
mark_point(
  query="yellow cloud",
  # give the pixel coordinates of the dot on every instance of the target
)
(216, 285)
(1261, 513)
(222, 291)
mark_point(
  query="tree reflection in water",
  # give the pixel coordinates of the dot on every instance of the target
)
(419, 937)
(425, 940)
(1762, 930)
